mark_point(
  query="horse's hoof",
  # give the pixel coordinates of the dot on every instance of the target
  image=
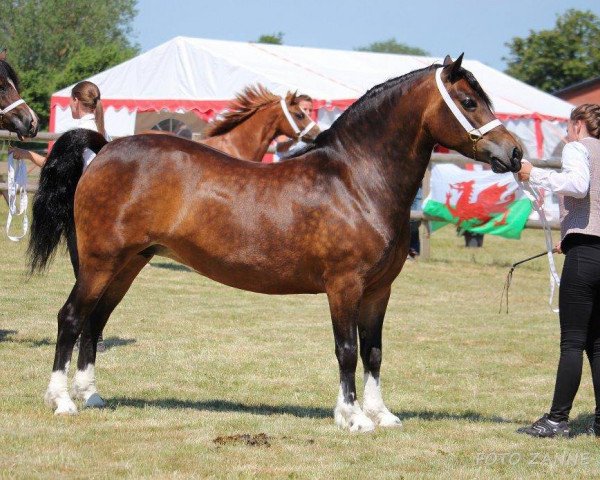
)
(95, 401)
(65, 407)
(389, 420)
(361, 423)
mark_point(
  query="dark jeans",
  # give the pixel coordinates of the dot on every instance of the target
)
(579, 303)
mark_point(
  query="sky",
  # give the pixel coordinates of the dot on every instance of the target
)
(478, 28)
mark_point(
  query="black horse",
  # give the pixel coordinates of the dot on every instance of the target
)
(333, 220)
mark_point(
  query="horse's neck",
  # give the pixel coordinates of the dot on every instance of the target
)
(250, 139)
(388, 163)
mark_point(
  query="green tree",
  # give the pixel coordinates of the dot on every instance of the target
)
(392, 46)
(54, 43)
(272, 38)
(554, 59)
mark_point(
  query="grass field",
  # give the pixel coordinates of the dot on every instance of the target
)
(191, 364)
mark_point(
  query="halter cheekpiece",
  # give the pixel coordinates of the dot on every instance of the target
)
(293, 124)
(475, 134)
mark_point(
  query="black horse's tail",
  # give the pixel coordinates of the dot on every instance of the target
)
(53, 202)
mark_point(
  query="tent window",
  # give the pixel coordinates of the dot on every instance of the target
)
(174, 126)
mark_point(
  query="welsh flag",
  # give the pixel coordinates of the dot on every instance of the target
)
(477, 201)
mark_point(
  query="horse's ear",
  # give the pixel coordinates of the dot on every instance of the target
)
(453, 68)
(291, 97)
(2, 54)
(447, 60)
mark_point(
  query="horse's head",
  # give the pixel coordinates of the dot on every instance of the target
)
(294, 121)
(463, 120)
(15, 114)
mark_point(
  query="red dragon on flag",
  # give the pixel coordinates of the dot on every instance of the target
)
(476, 201)
(487, 204)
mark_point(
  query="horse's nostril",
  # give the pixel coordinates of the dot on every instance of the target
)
(517, 153)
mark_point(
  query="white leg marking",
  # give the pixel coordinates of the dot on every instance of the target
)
(57, 395)
(350, 416)
(84, 388)
(373, 405)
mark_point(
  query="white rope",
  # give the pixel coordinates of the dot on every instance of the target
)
(17, 185)
(536, 200)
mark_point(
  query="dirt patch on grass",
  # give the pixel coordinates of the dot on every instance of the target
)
(258, 440)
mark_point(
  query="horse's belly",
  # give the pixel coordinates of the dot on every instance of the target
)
(261, 277)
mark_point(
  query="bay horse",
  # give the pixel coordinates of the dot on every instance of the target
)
(333, 220)
(15, 114)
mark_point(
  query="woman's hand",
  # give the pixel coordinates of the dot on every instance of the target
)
(557, 248)
(20, 154)
(525, 170)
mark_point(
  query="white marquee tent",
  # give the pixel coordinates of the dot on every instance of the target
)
(200, 77)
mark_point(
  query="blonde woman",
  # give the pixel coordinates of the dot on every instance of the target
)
(86, 108)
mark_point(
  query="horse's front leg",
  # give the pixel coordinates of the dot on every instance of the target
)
(370, 324)
(344, 301)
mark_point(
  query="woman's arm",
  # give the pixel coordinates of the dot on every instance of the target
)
(21, 154)
(573, 180)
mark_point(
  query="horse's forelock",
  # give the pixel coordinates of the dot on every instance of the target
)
(474, 84)
(7, 71)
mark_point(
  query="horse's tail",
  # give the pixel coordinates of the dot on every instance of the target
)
(53, 202)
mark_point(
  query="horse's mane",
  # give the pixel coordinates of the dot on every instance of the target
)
(246, 104)
(7, 71)
(378, 94)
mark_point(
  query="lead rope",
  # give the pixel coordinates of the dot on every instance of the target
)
(509, 279)
(17, 185)
(553, 274)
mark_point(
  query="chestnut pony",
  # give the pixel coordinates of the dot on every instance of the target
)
(334, 220)
(15, 114)
(253, 120)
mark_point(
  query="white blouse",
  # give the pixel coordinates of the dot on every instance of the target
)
(88, 121)
(573, 180)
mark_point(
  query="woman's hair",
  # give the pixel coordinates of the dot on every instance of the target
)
(303, 98)
(589, 113)
(88, 94)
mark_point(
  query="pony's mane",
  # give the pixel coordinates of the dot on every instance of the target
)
(246, 104)
(7, 71)
(397, 86)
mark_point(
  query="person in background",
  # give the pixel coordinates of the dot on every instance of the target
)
(285, 146)
(86, 108)
(414, 249)
(578, 186)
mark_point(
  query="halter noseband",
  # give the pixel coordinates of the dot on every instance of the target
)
(12, 106)
(293, 124)
(475, 134)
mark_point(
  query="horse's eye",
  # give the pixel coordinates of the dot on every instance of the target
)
(468, 104)
(299, 115)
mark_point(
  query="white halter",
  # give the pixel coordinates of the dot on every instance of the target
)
(293, 124)
(474, 133)
(12, 106)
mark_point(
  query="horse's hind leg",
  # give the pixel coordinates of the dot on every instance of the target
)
(344, 299)
(370, 324)
(86, 292)
(84, 382)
